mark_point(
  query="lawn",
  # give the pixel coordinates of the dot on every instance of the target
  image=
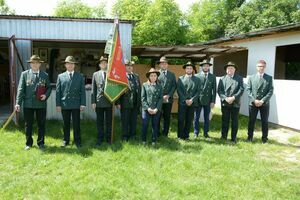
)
(199, 169)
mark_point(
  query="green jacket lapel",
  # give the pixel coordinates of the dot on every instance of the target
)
(228, 83)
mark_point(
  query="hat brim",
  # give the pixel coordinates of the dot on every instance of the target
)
(148, 74)
(99, 61)
(165, 61)
(70, 62)
(225, 67)
(31, 61)
(184, 66)
(201, 64)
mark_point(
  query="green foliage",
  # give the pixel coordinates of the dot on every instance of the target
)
(76, 8)
(163, 23)
(261, 14)
(208, 18)
(131, 9)
(4, 9)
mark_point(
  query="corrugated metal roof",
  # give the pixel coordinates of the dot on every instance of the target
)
(29, 17)
(25, 28)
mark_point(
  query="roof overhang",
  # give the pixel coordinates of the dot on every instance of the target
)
(193, 52)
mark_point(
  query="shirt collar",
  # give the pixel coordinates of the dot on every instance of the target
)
(38, 72)
(230, 76)
(188, 76)
(260, 74)
(151, 83)
(72, 72)
(164, 71)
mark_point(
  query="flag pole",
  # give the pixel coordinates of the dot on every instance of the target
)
(8, 120)
(113, 123)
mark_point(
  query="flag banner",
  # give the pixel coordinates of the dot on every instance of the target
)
(116, 80)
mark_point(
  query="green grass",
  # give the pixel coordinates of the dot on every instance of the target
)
(199, 169)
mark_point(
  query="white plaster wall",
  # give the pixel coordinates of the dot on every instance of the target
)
(285, 104)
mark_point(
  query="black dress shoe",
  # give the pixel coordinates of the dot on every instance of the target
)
(78, 146)
(27, 148)
(41, 146)
(264, 141)
(223, 138)
(233, 141)
(98, 144)
(249, 139)
(206, 135)
(64, 144)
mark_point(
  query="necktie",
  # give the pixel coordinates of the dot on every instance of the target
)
(165, 73)
(36, 77)
(205, 76)
(104, 75)
(71, 76)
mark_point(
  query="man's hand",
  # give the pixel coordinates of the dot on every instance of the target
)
(155, 111)
(150, 111)
(258, 103)
(166, 98)
(94, 106)
(43, 97)
(82, 108)
(212, 105)
(189, 102)
(17, 107)
(230, 100)
(58, 108)
(118, 106)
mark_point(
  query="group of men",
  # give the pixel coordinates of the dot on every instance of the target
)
(196, 92)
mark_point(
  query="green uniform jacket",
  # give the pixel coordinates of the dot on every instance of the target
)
(208, 90)
(260, 88)
(168, 84)
(152, 96)
(70, 94)
(229, 87)
(27, 89)
(188, 88)
(132, 97)
(97, 96)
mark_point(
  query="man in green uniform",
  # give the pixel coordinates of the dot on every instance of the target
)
(207, 98)
(101, 104)
(188, 93)
(130, 103)
(167, 80)
(33, 92)
(70, 100)
(230, 90)
(260, 90)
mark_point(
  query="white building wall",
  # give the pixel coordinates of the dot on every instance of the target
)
(284, 105)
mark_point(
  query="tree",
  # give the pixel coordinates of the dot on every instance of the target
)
(163, 23)
(99, 11)
(4, 9)
(261, 14)
(208, 19)
(131, 9)
(76, 8)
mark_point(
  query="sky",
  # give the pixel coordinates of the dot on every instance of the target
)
(46, 7)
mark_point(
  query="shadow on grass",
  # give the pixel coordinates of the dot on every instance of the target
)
(54, 129)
